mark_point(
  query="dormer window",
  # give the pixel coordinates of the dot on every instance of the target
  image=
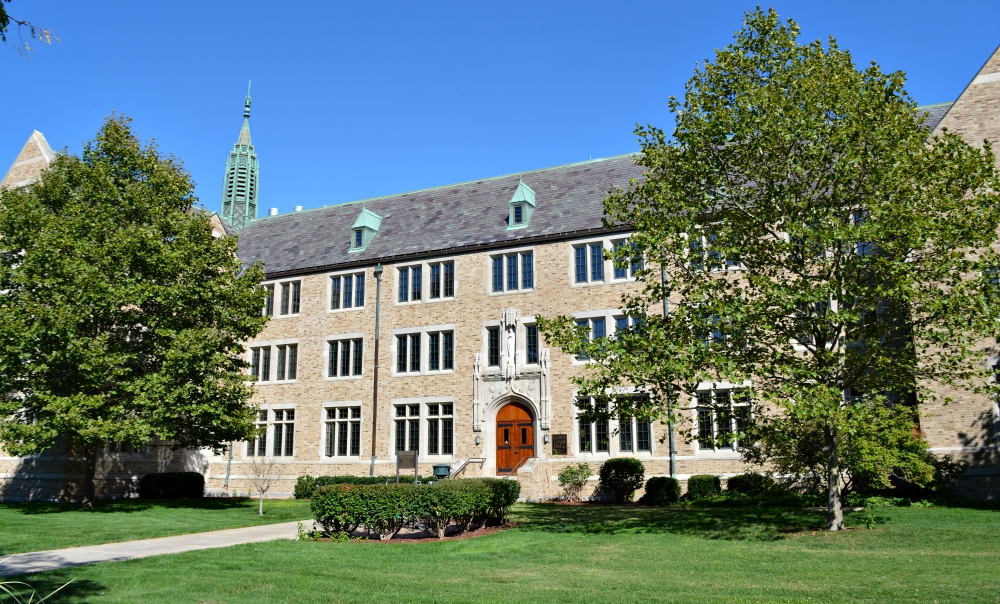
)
(364, 229)
(522, 204)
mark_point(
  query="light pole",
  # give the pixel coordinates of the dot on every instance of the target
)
(378, 312)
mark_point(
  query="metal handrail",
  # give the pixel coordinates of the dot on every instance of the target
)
(519, 464)
(461, 468)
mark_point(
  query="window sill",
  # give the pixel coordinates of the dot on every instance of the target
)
(339, 310)
(442, 299)
(274, 382)
(343, 378)
(422, 373)
(288, 316)
(512, 292)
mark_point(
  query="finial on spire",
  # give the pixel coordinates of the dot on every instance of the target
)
(246, 106)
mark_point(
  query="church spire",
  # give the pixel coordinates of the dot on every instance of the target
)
(239, 189)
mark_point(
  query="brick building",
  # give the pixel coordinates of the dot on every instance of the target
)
(462, 372)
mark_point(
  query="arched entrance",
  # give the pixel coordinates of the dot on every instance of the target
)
(515, 437)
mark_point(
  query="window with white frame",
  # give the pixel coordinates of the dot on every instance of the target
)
(493, 346)
(594, 427)
(635, 435)
(408, 353)
(410, 284)
(441, 351)
(596, 329)
(512, 272)
(344, 357)
(703, 253)
(407, 427)
(723, 416)
(624, 323)
(279, 425)
(440, 429)
(289, 295)
(626, 262)
(347, 291)
(588, 262)
(343, 431)
(269, 301)
(531, 344)
(284, 367)
(442, 275)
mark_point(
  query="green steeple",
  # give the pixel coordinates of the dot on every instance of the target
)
(239, 189)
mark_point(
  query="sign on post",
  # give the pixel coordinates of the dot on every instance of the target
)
(406, 460)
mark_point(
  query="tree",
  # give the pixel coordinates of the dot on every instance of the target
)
(263, 472)
(121, 316)
(43, 35)
(817, 245)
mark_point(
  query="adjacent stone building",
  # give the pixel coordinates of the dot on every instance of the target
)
(456, 276)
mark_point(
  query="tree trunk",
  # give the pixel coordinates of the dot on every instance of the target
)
(90, 455)
(834, 511)
(260, 508)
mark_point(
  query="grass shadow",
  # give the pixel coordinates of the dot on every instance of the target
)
(126, 506)
(80, 590)
(747, 522)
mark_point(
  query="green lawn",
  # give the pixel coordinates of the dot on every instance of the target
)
(592, 554)
(27, 527)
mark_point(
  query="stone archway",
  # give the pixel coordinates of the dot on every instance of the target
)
(515, 436)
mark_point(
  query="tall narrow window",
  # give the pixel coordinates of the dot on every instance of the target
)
(493, 346)
(359, 290)
(401, 353)
(433, 439)
(358, 237)
(414, 421)
(447, 431)
(435, 281)
(265, 364)
(527, 271)
(269, 301)
(582, 356)
(706, 437)
(401, 429)
(621, 271)
(404, 284)
(723, 419)
(281, 363)
(358, 349)
(597, 262)
(258, 446)
(416, 277)
(289, 432)
(278, 428)
(597, 329)
(580, 263)
(334, 293)
(449, 279)
(255, 363)
(434, 351)
(625, 433)
(636, 265)
(348, 291)
(518, 214)
(284, 298)
(621, 324)
(448, 350)
(296, 296)
(642, 433)
(585, 443)
(293, 361)
(332, 360)
(345, 359)
(415, 352)
(512, 272)
(601, 439)
(531, 347)
(498, 274)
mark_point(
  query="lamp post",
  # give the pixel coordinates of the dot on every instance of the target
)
(378, 312)
(670, 410)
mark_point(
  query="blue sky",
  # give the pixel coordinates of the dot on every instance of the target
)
(353, 100)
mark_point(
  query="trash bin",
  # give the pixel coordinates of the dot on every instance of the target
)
(442, 470)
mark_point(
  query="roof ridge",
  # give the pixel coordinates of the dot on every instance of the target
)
(454, 184)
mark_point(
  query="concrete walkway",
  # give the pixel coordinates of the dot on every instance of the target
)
(33, 562)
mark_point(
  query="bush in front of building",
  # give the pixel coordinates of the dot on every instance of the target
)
(172, 485)
(385, 508)
(661, 490)
(622, 476)
(304, 486)
(703, 485)
(572, 479)
(322, 481)
(751, 484)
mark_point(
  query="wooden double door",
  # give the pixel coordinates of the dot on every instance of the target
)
(515, 437)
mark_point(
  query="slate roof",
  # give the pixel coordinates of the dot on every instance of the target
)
(935, 113)
(451, 219)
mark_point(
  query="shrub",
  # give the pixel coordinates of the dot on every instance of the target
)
(322, 481)
(751, 484)
(572, 480)
(621, 476)
(661, 490)
(304, 486)
(703, 485)
(337, 508)
(503, 495)
(172, 485)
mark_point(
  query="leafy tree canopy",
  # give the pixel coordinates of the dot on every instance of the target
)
(122, 316)
(814, 242)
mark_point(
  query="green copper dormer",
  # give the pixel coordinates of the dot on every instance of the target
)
(522, 204)
(241, 183)
(364, 229)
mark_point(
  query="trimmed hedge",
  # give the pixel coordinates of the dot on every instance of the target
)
(703, 485)
(751, 484)
(172, 485)
(305, 485)
(385, 508)
(622, 476)
(661, 490)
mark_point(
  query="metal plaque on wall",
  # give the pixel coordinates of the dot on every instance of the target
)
(559, 444)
